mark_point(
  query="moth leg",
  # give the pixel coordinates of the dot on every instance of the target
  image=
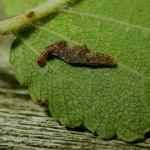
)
(61, 44)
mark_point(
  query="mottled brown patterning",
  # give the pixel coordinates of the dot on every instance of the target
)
(76, 55)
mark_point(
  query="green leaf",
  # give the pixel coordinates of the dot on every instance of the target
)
(108, 101)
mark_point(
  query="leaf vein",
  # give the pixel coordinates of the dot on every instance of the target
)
(58, 35)
(88, 15)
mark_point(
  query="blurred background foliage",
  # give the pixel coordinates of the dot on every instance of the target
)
(8, 82)
(5, 43)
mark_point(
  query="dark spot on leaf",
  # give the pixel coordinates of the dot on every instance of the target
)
(30, 14)
(42, 103)
(76, 55)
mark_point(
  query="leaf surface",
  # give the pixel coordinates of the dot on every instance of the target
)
(108, 101)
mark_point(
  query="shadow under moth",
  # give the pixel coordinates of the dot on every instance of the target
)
(75, 55)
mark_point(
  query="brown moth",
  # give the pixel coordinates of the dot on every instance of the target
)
(76, 55)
